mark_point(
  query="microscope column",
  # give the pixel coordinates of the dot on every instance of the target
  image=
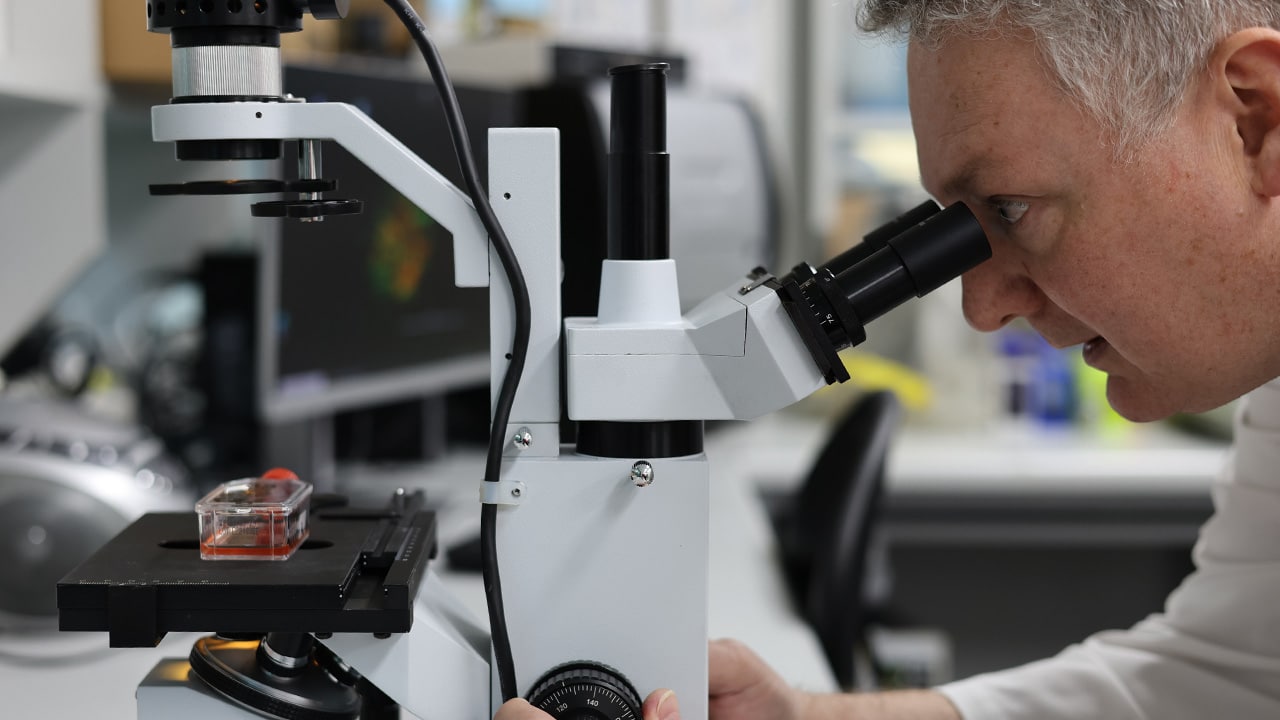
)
(639, 278)
(604, 559)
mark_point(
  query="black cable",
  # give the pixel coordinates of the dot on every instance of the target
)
(519, 346)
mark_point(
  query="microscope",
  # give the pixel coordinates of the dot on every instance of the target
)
(357, 623)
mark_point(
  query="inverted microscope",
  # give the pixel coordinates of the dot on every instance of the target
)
(356, 623)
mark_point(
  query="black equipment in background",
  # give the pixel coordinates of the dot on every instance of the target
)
(68, 483)
(64, 355)
(825, 531)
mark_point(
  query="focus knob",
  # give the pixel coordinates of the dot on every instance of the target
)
(586, 691)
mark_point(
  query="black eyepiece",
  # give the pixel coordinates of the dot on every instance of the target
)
(638, 212)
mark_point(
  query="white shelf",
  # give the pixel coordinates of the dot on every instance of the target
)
(52, 196)
(49, 52)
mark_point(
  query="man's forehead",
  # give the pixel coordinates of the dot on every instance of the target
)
(955, 130)
(959, 65)
(965, 108)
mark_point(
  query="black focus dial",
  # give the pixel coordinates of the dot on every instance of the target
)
(586, 691)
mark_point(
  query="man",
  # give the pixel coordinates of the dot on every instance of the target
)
(1124, 158)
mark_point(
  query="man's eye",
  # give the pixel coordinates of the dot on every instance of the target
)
(1011, 211)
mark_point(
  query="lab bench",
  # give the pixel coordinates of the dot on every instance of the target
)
(1015, 541)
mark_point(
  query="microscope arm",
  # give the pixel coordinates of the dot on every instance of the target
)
(380, 151)
(524, 164)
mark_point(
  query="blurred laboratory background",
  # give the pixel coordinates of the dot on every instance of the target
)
(153, 346)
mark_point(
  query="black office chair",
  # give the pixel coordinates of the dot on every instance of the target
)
(825, 534)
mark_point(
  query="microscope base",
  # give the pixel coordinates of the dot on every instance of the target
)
(170, 691)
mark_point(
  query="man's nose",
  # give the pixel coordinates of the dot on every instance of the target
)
(994, 295)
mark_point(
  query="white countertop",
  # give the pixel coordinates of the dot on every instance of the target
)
(1146, 459)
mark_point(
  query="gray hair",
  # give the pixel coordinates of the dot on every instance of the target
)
(1128, 63)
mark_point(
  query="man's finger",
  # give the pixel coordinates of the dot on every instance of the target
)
(732, 666)
(661, 705)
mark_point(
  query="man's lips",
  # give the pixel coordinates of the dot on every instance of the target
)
(1093, 350)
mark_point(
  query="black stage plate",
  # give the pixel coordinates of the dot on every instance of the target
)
(357, 572)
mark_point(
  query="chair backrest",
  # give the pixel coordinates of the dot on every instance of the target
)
(835, 512)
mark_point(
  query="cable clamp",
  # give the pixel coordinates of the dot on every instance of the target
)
(503, 492)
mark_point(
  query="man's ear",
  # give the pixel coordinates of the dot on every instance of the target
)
(1249, 63)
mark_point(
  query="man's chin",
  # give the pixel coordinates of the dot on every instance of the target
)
(1139, 402)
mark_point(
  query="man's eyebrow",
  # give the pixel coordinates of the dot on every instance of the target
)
(962, 181)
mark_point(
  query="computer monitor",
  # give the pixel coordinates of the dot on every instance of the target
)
(361, 310)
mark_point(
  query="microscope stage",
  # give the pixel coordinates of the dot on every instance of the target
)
(358, 572)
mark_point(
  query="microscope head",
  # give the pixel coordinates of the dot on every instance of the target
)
(229, 51)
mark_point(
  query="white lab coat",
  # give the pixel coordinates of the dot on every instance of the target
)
(1213, 653)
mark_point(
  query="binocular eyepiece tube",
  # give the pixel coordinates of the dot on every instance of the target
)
(910, 256)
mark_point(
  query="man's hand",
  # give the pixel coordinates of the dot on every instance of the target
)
(660, 705)
(742, 687)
